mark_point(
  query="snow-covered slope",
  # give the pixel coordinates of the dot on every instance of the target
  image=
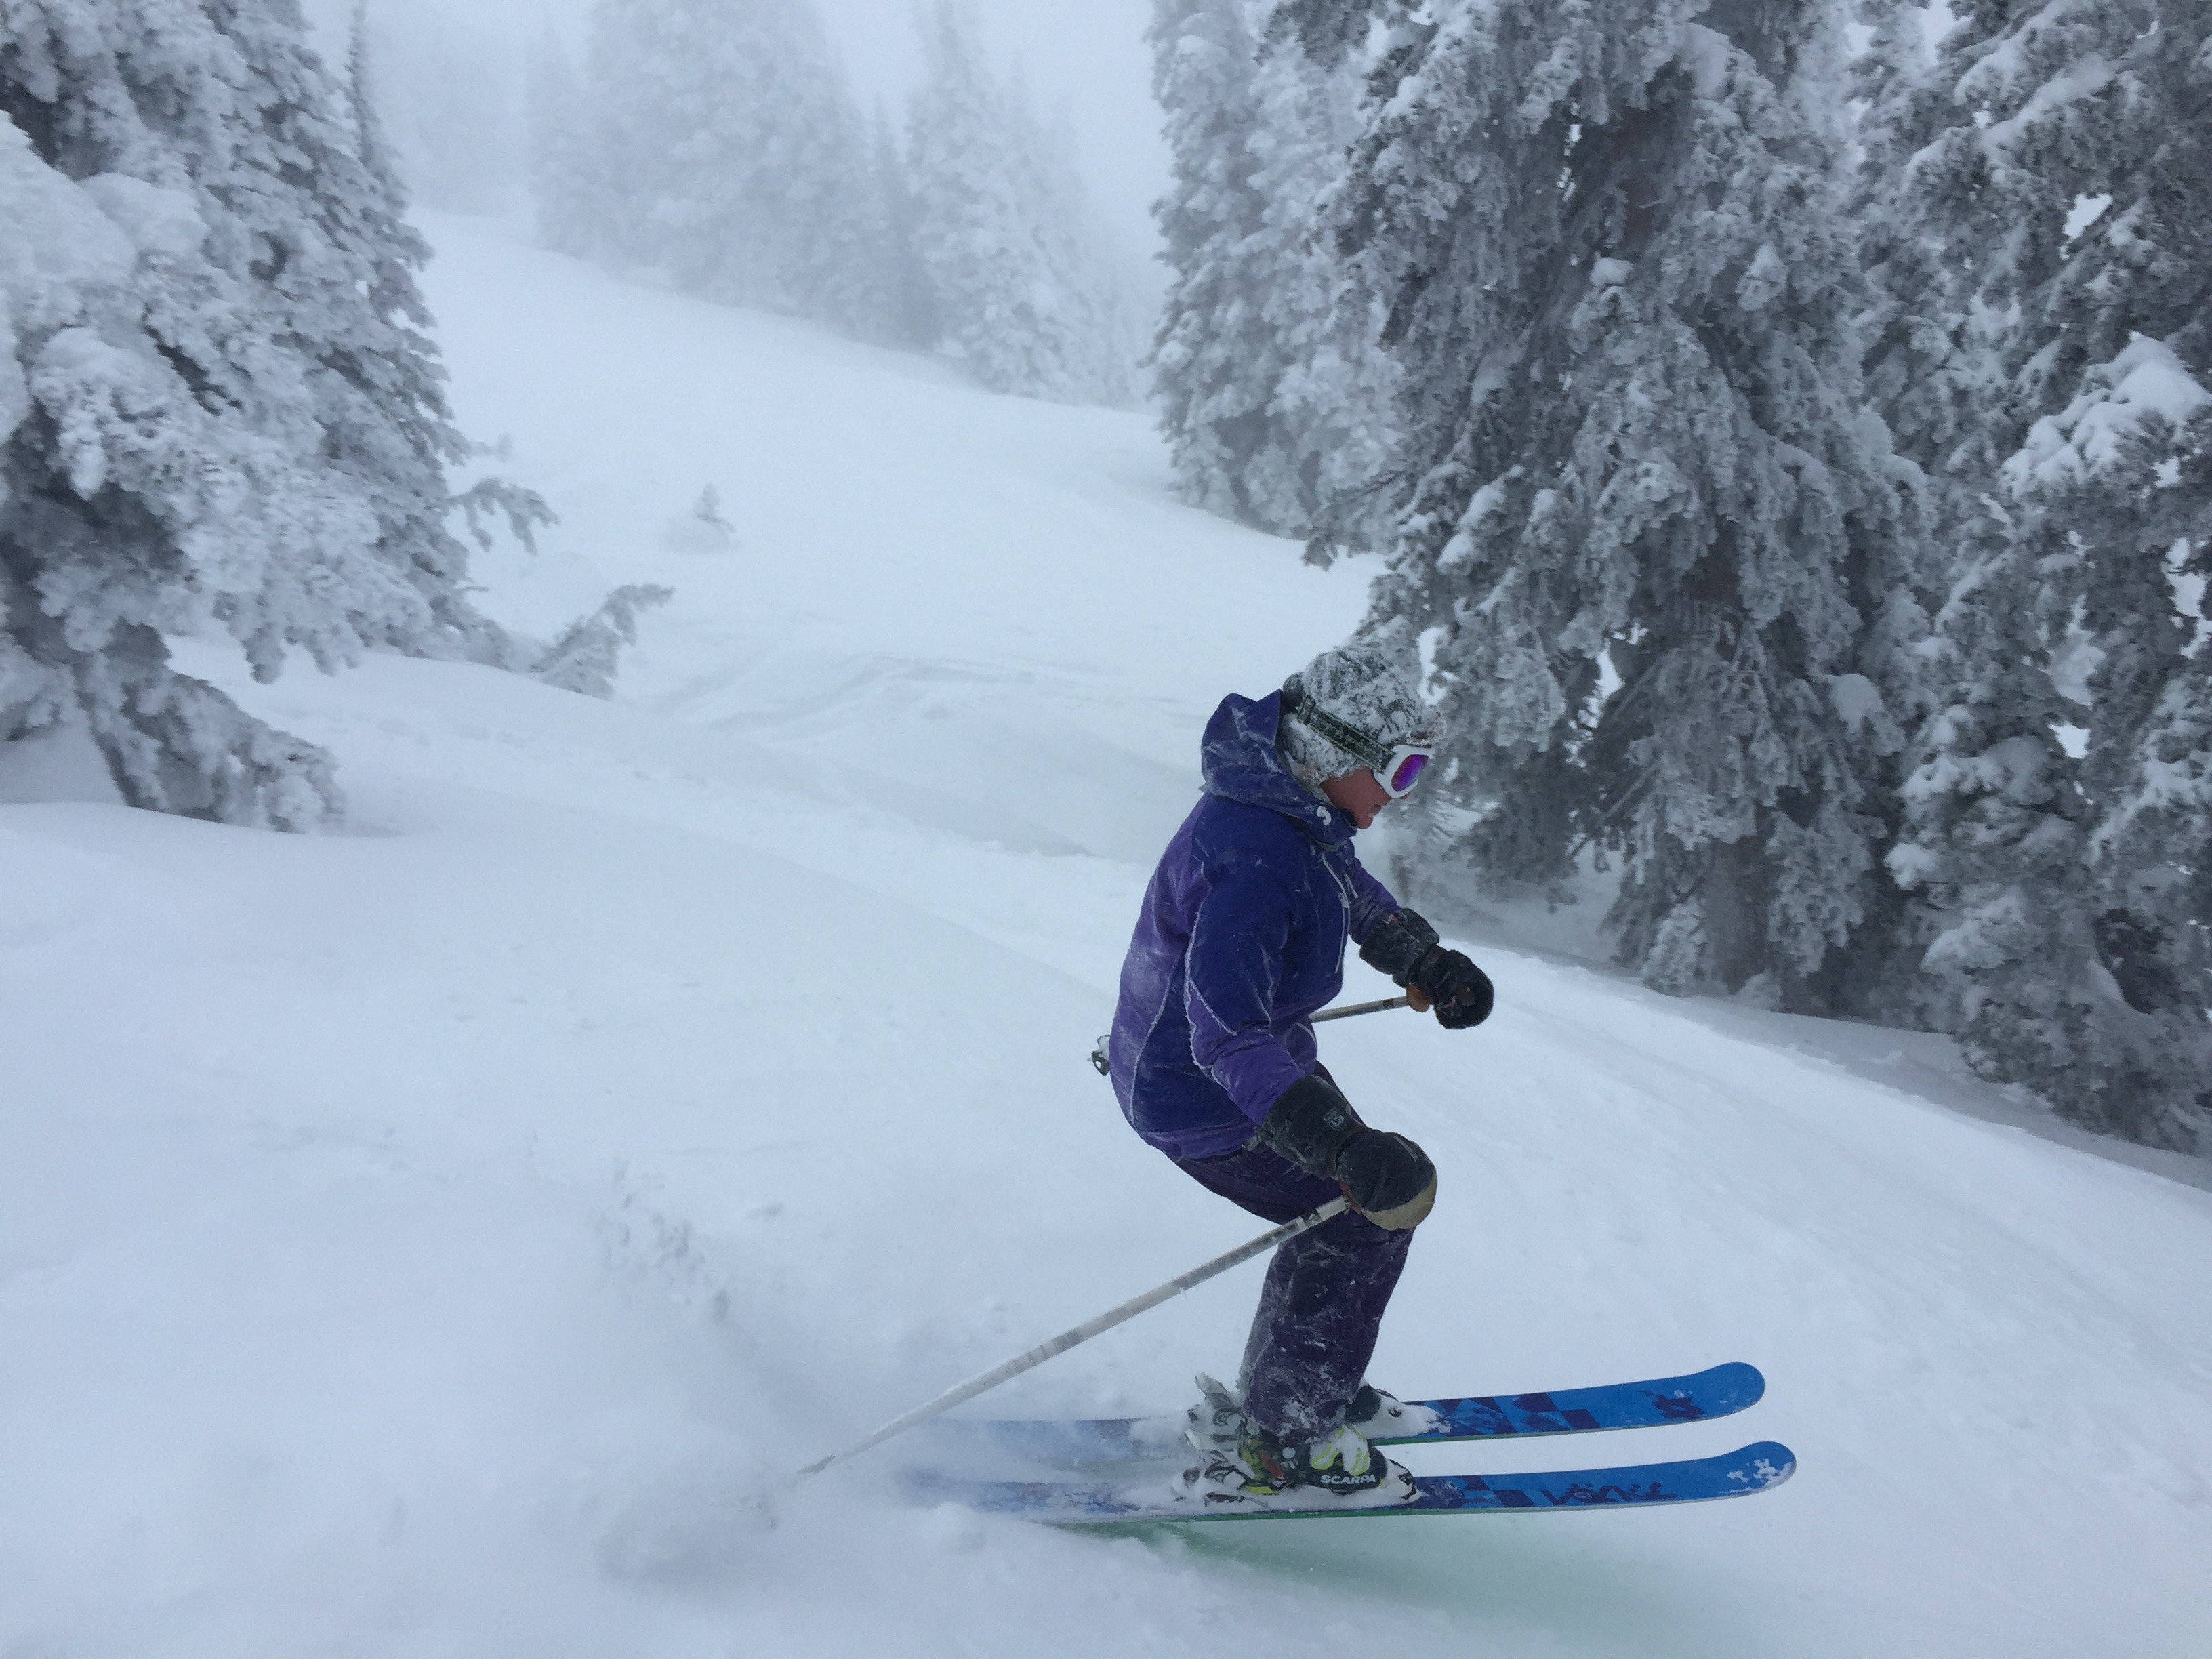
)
(426, 1239)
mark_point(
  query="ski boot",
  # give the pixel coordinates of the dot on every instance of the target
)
(1380, 1416)
(1340, 1468)
(1217, 1422)
(1340, 1463)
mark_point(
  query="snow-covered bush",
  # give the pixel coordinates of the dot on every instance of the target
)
(585, 655)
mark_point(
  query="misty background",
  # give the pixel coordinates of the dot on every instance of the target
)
(450, 77)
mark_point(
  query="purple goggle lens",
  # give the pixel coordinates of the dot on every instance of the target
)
(1405, 771)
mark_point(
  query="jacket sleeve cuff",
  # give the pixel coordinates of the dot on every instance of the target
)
(1258, 1077)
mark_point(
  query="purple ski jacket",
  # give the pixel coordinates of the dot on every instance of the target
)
(1240, 939)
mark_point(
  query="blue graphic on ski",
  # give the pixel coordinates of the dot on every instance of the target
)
(1754, 1469)
(1719, 1392)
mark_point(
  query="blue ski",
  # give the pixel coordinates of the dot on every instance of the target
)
(1757, 1467)
(1719, 1392)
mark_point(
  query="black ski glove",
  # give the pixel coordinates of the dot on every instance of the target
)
(1404, 947)
(1388, 1178)
(1308, 1124)
(1462, 992)
(1400, 940)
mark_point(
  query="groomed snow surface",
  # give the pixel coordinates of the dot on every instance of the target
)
(435, 1239)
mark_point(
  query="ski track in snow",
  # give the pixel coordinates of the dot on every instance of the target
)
(438, 1238)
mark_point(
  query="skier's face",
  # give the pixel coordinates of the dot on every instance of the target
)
(1358, 794)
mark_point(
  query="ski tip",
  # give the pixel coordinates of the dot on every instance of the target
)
(1732, 1387)
(1759, 1467)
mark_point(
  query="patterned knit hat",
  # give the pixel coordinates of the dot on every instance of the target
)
(1347, 708)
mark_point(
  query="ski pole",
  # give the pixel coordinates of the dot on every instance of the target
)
(1099, 1054)
(1352, 1008)
(1083, 1333)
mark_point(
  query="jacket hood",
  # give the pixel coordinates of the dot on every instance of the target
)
(1240, 763)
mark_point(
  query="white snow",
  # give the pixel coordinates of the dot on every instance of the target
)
(434, 1239)
(2146, 379)
(1709, 55)
(165, 222)
(1856, 699)
(2085, 212)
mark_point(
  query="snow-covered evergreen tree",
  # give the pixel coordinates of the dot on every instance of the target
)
(2041, 256)
(1017, 289)
(568, 178)
(1276, 399)
(385, 421)
(914, 315)
(1994, 822)
(729, 154)
(2120, 479)
(215, 403)
(2115, 507)
(1109, 339)
(1657, 550)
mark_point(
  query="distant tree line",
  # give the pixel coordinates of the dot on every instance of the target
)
(1790, 443)
(716, 141)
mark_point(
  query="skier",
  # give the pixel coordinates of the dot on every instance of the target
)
(1240, 939)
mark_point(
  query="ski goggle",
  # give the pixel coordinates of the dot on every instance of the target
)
(1397, 769)
(1403, 770)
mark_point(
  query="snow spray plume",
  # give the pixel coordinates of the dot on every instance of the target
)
(1080, 1333)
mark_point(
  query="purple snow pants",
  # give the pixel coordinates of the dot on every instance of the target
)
(1322, 1302)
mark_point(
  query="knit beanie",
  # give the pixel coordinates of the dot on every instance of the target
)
(1361, 686)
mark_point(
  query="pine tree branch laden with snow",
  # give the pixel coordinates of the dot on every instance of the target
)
(175, 745)
(500, 501)
(585, 656)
